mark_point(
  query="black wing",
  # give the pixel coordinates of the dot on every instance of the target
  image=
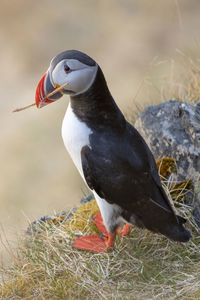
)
(122, 170)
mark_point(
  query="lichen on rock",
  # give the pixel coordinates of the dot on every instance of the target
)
(166, 166)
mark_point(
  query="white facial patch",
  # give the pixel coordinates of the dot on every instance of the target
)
(79, 78)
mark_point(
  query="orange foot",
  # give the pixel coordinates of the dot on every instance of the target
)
(125, 230)
(121, 230)
(96, 243)
(91, 242)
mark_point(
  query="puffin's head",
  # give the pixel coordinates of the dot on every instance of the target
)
(71, 67)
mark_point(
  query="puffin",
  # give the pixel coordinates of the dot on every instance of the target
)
(111, 156)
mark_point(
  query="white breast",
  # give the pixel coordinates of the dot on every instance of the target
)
(75, 135)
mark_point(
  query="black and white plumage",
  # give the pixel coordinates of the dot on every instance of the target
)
(111, 156)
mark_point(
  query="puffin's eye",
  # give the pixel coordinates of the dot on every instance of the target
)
(67, 69)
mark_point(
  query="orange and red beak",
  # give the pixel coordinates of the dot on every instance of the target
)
(44, 88)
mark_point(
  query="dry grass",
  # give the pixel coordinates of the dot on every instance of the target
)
(183, 80)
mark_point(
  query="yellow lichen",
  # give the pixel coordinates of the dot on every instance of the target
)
(82, 218)
(178, 191)
(76, 221)
(166, 166)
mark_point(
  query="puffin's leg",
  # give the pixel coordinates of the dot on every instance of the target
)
(121, 230)
(110, 240)
(124, 230)
(98, 221)
(96, 243)
(111, 219)
(107, 220)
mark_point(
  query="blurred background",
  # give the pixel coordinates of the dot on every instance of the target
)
(132, 40)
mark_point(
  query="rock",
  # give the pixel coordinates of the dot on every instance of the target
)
(87, 199)
(172, 129)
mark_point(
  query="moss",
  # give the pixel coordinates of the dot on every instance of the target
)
(166, 166)
(82, 218)
(179, 191)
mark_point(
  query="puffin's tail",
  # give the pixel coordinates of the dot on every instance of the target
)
(176, 231)
(171, 225)
(166, 222)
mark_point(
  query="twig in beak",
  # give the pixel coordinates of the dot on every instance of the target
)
(22, 108)
(60, 88)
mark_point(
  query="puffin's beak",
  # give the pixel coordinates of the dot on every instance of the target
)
(44, 88)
